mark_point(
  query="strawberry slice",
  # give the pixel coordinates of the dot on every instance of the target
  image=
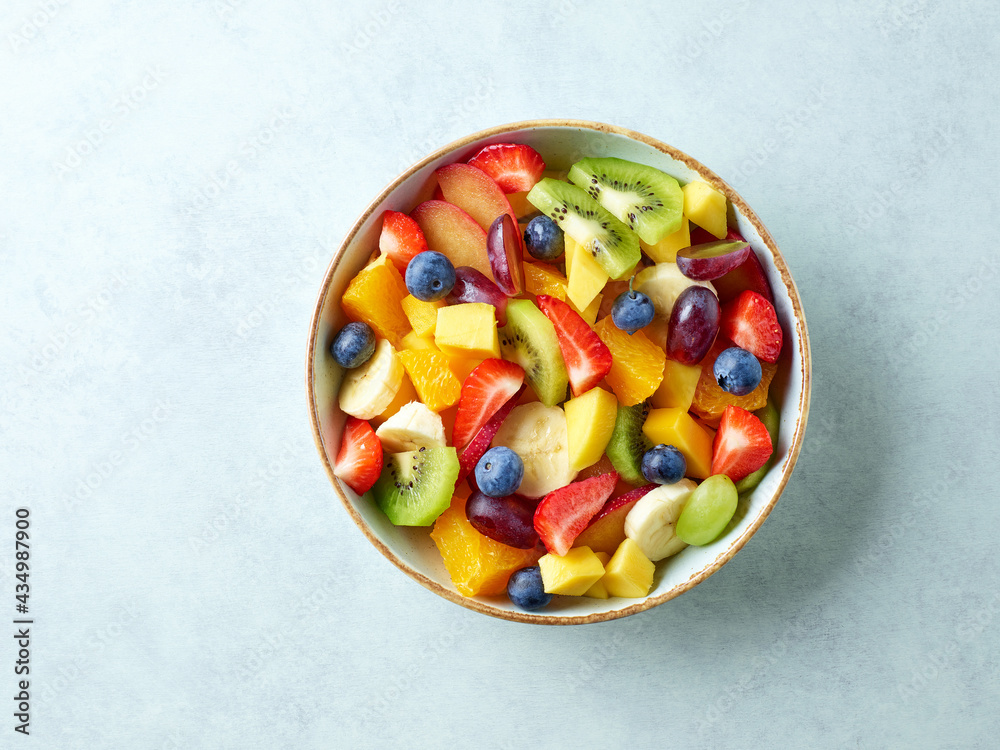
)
(468, 458)
(742, 444)
(751, 322)
(359, 461)
(401, 239)
(487, 388)
(513, 166)
(587, 358)
(564, 513)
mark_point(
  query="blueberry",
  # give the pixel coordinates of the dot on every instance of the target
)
(632, 311)
(430, 276)
(499, 472)
(663, 464)
(737, 371)
(354, 345)
(526, 590)
(544, 239)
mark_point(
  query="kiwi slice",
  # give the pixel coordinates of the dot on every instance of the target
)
(613, 245)
(649, 201)
(415, 487)
(529, 338)
(629, 443)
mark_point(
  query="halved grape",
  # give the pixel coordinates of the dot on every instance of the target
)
(473, 286)
(503, 245)
(707, 511)
(712, 260)
(693, 326)
(508, 520)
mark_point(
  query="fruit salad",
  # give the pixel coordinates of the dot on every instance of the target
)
(563, 375)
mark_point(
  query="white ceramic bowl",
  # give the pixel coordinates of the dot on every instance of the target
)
(561, 142)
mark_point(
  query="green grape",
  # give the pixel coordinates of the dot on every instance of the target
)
(768, 414)
(707, 511)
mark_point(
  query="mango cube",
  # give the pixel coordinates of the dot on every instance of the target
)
(463, 366)
(585, 277)
(598, 590)
(678, 385)
(590, 420)
(706, 207)
(590, 313)
(665, 251)
(629, 572)
(467, 330)
(572, 574)
(422, 315)
(375, 297)
(415, 343)
(674, 426)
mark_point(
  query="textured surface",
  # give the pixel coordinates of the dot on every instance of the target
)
(175, 177)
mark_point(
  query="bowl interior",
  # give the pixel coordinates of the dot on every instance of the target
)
(561, 143)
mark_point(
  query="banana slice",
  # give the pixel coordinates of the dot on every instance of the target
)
(537, 433)
(369, 389)
(650, 523)
(413, 426)
(663, 284)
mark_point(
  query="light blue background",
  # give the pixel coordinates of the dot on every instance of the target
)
(158, 281)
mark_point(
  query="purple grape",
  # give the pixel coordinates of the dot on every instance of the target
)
(473, 286)
(508, 520)
(693, 326)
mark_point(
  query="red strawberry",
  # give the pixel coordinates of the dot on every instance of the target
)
(742, 444)
(487, 388)
(751, 322)
(587, 358)
(359, 461)
(564, 513)
(513, 166)
(468, 458)
(748, 275)
(401, 239)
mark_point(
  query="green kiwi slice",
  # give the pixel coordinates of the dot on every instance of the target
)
(529, 338)
(649, 201)
(415, 487)
(614, 246)
(629, 443)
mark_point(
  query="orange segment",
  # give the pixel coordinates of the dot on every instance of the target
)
(541, 278)
(477, 564)
(375, 297)
(436, 385)
(710, 400)
(636, 366)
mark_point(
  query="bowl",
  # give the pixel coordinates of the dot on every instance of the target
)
(561, 142)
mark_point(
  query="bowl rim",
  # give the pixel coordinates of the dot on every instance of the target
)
(801, 330)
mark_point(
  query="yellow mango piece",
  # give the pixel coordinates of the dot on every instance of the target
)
(674, 426)
(590, 420)
(467, 330)
(590, 314)
(541, 278)
(629, 573)
(434, 381)
(585, 277)
(375, 297)
(598, 591)
(422, 315)
(415, 343)
(519, 202)
(573, 573)
(463, 366)
(665, 251)
(706, 207)
(678, 385)
(404, 395)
